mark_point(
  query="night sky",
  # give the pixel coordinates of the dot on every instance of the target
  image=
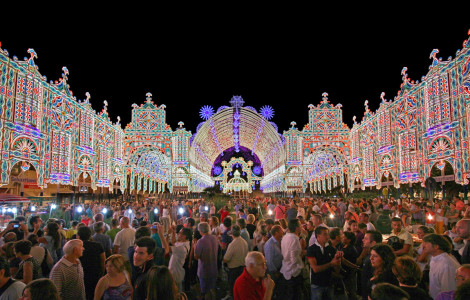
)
(267, 59)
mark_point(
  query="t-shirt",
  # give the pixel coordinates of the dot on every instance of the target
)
(112, 233)
(206, 250)
(223, 214)
(91, 265)
(251, 229)
(13, 291)
(247, 288)
(322, 257)
(124, 239)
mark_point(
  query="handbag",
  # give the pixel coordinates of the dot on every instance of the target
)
(45, 268)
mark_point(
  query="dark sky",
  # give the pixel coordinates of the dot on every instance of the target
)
(268, 60)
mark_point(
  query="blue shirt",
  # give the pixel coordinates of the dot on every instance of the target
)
(273, 255)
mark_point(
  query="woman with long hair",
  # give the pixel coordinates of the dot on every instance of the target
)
(382, 259)
(40, 289)
(52, 240)
(161, 285)
(116, 283)
(29, 268)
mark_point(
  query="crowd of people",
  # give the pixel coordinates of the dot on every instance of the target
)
(269, 248)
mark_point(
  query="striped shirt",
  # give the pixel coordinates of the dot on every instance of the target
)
(68, 278)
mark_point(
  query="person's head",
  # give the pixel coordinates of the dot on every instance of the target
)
(236, 230)
(74, 248)
(322, 234)
(255, 264)
(336, 234)
(227, 222)
(463, 274)
(34, 220)
(317, 219)
(144, 250)
(114, 223)
(294, 226)
(363, 218)
(190, 222)
(463, 291)
(349, 238)
(115, 264)
(184, 234)
(99, 217)
(397, 224)
(98, 227)
(423, 230)
(23, 247)
(142, 231)
(407, 270)
(241, 222)
(371, 238)
(10, 237)
(160, 284)
(84, 233)
(387, 291)
(463, 228)
(42, 288)
(214, 221)
(204, 217)
(435, 244)
(204, 228)
(124, 222)
(353, 225)
(33, 238)
(382, 258)
(277, 232)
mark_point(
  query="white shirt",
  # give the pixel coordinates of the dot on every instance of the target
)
(178, 255)
(443, 268)
(292, 263)
(370, 226)
(124, 239)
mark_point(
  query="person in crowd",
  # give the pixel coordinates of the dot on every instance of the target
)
(323, 260)
(462, 276)
(235, 257)
(409, 274)
(179, 252)
(103, 239)
(205, 251)
(29, 268)
(40, 254)
(371, 238)
(161, 285)
(402, 234)
(317, 222)
(350, 254)
(292, 263)
(382, 257)
(279, 211)
(387, 291)
(67, 273)
(114, 229)
(443, 267)
(224, 212)
(364, 219)
(252, 283)
(9, 253)
(124, 238)
(463, 230)
(92, 260)
(116, 283)
(143, 261)
(9, 288)
(244, 233)
(36, 222)
(40, 289)
(463, 291)
(52, 240)
(99, 218)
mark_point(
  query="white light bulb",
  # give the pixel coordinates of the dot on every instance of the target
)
(9, 210)
(14, 210)
(429, 217)
(155, 210)
(332, 216)
(181, 210)
(206, 207)
(270, 212)
(104, 210)
(33, 208)
(129, 211)
(53, 206)
(79, 209)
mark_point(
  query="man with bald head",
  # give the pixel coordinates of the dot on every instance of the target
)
(462, 275)
(124, 238)
(463, 231)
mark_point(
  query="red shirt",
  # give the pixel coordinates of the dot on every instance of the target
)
(223, 214)
(247, 288)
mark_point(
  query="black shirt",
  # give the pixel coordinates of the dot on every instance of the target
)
(416, 293)
(323, 278)
(91, 266)
(139, 281)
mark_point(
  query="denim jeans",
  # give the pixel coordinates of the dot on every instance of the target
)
(321, 292)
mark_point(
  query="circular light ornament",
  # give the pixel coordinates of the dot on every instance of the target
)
(267, 112)
(257, 170)
(217, 170)
(53, 206)
(79, 209)
(33, 208)
(155, 211)
(206, 112)
(104, 211)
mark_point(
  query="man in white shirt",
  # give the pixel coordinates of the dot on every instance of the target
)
(179, 252)
(292, 264)
(401, 233)
(443, 266)
(364, 218)
(317, 221)
(124, 238)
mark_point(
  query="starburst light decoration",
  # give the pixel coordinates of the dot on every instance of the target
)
(206, 112)
(267, 112)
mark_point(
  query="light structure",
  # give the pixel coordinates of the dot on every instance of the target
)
(46, 131)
